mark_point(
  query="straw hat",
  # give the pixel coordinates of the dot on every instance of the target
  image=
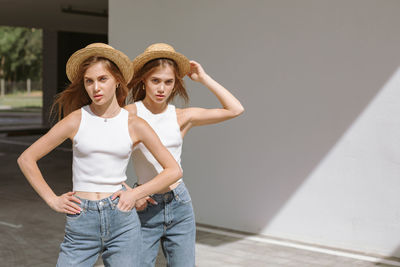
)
(161, 50)
(100, 50)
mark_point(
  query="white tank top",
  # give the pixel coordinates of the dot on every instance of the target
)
(166, 126)
(101, 151)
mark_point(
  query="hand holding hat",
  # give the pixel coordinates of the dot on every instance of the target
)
(196, 72)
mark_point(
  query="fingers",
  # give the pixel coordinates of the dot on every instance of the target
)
(75, 199)
(70, 203)
(193, 76)
(142, 203)
(141, 207)
(152, 201)
(72, 208)
(124, 206)
(116, 194)
(125, 202)
(196, 71)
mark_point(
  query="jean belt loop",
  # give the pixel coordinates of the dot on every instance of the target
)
(176, 192)
(110, 202)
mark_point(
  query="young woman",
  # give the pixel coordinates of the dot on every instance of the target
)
(100, 215)
(168, 215)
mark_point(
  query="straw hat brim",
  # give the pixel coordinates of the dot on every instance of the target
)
(117, 57)
(182, 61)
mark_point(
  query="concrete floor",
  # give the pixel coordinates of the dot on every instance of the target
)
(30, 232)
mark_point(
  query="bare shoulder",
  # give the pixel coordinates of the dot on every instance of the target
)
(75, 115)
(65, 128)
(136, 122)
(139, 129)
(72, 122)
(131, 108)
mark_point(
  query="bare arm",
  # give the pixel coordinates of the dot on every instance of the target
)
(231, 107)
(27, 162)
(142, 132)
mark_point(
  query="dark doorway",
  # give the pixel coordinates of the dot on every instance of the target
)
(68, 43)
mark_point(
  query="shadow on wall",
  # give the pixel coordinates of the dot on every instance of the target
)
(314, 147)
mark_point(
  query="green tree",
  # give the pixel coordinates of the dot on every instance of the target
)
(20, 53)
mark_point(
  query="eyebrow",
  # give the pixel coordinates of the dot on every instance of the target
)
(100, 76)
(157, 77)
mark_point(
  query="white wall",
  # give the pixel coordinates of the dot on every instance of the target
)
(315, 156)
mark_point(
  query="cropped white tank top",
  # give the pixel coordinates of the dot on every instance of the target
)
(101, 152)
(166, 126)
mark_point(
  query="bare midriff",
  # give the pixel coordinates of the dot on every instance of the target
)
(92, 195)
(101, 195)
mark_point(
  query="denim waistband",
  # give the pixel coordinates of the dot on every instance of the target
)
(101, 204)
(170, 195)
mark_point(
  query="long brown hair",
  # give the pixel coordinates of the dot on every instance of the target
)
(75, 96)
(137, 91)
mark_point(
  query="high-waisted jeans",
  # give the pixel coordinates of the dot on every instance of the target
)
(171, 221)
(101, 228)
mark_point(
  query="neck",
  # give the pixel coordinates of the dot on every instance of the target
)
(107, 110)
(155, 107)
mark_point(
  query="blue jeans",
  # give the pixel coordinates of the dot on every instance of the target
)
(101, 228)
(171, 221)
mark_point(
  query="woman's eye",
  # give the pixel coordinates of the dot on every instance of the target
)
(169, 82)
(155, 80)
(88, 81)
(103, 79)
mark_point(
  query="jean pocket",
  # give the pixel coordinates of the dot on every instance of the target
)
(183, 197)
(74, 216)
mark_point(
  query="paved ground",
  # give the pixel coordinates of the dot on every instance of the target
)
(18, 121)
(30, 232)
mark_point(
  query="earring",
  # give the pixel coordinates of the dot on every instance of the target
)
(144, 89)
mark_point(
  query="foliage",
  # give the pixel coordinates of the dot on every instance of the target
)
(20, 53)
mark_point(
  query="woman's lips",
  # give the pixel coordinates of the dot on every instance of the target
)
(97, 97)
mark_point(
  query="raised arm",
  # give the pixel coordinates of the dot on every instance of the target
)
(231, 106)
(27, 162)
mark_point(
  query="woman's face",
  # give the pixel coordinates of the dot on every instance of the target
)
(159, 84)
(100, 84)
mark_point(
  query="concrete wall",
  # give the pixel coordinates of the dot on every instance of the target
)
(315, 156)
